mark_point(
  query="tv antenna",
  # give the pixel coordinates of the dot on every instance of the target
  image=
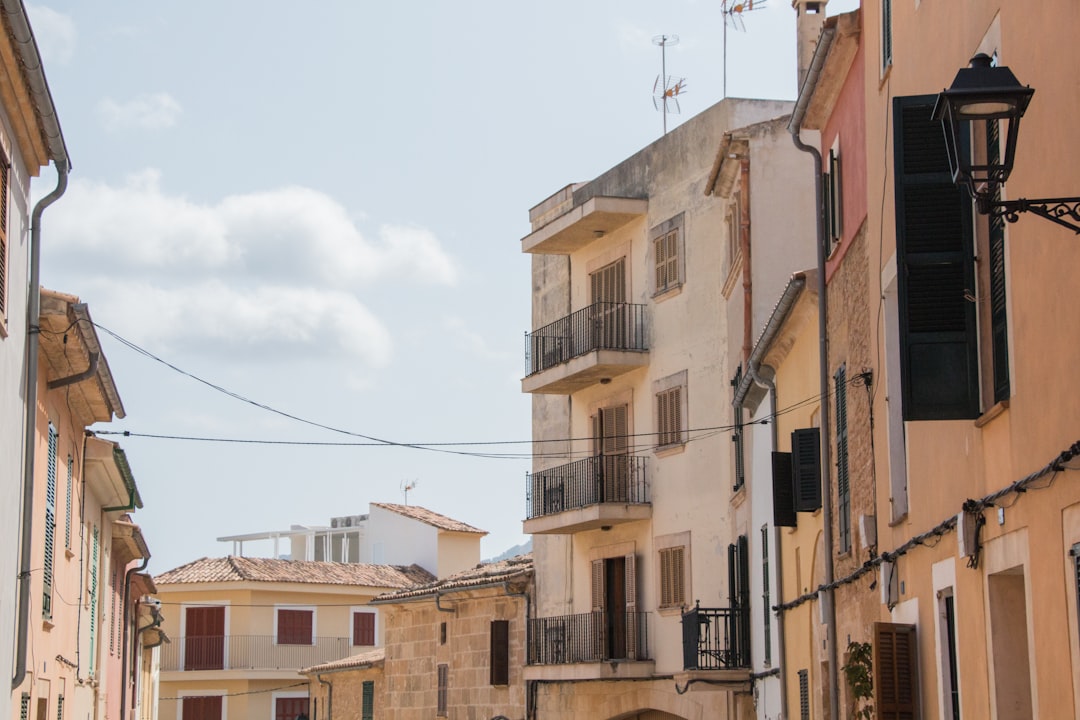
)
(666, 89)
(733, 11)
(406, 486)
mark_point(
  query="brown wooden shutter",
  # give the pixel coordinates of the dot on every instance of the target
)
(783, 490)
(616, 430)
(895, 672)
(659, 248)
(294, 627)
(633, 626)
(206, 707)
(500, 652)
(363, 628)
(597, 586)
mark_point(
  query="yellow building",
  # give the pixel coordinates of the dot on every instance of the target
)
(242, 628)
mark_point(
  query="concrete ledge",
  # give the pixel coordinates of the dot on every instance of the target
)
(613, 670)
(581, 225)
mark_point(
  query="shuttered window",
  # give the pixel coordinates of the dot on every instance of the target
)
(766, 596)
(363, 628)
(669, 417)
(50, 525)
(500, 652)
(93, 595)
(737, 436)
(834, 227)
(843, 480)
(367, 700)
(935, 272)
(806, 469)
(886, 33)
(783, 490)
(294, 627)
(895, 674)
(608, 284)
(206, 707)
(673, 577)
(443, 690)
(67, 505)
(5, 171)
(999, 332)
(666, 250)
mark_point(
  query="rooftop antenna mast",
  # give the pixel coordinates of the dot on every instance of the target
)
(666, 89)
(406, 486)
(733, 11)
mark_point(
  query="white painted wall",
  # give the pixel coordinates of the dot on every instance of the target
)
(397, 540)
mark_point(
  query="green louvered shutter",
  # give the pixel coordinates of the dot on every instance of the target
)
(50, 525)
(939, 364)
(367, 709)
(93, 593)
(67, 505)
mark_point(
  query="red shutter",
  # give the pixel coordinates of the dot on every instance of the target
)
(207, 707)
(363, 628)
(204, 643)
(294, 627)
(895, 672)
(500, 652)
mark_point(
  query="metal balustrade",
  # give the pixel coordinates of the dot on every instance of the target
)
(591, 481)
(588, 638)
(249, 652)
(600, 326)
(716, 638)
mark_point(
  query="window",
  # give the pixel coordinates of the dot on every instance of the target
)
(797, 477)
(939, 360)
(843, 480)
(5, 170)
(895, 671)
(608, 284)
(886, 34)
(739, 598)
(67, 507)
(500, 652)
(804, 695)
(737, 436)
(766, 599)
(295, 627)
(363, 632)
(834, 222)
(367, 700)
(613, 593)
(444, 683)
(50, 525)
(95, 550)
(673, 577)
(442, 633)
(950, 683)
(671, 412)
(290, 708)
(206, 707)
(995, 251)
(667, 254)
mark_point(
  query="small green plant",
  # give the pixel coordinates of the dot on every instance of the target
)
(859, 673)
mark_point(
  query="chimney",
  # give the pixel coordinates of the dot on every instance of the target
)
(809, 21)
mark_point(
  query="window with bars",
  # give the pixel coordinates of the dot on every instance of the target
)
(843, 480)
(673, 577)
(667, 252)
(500, 652)
(295, 627)
(367, 700)
(50, 525)
(363, 628)
(443, 690)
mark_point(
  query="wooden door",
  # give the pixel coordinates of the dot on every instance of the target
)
(204, 640)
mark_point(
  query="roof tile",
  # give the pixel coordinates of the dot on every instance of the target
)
(482, 574)
(237, 569)
(430, 517)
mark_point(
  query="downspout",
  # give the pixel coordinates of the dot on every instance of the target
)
(329, 695)
(795, 128)
(134, 501)
(78, 377)
(33, 313)
(124, 640)
(744, 248)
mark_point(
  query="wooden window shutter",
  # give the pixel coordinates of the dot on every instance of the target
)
(5, 170)
(597, 586)
(50, 525)
(615, 430)
(886, 33)
(363, 628)
(783, 490)
(804, 695)
(500, 652)
(999, 322)
(673, 577)
(367, 702)
(294, 627)
(633, 626)
(936, 277)
(443, 679)
(834, 202)
(806, 469)
(660, 250)
(895, 672)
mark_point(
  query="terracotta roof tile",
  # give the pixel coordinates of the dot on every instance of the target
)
(482, 574)
(430, 517)
(365, 659)
(237, 569)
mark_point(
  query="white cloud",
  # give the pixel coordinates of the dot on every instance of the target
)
(272, 273)
(151, 111)
(54, 32)
(468, 340)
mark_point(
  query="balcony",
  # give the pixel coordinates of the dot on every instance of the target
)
(586, 494)
(595, 218)
(716, 647)
(249, 652)
(600, 644)
(594, 344)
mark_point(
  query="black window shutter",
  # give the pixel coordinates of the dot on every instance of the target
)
(998, 318)
(806, 468)
(500, 652)
(804, 695)
(895, 672)
(783, 492)
(936, 274)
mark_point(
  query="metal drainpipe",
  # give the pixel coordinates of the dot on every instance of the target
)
(124, 640)
(82, 558)
(329, 696)
(33, 314)
(795, 127)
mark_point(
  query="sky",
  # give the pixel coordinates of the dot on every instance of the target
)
(300, 223)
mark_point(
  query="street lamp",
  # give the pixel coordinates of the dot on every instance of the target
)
(984, 92)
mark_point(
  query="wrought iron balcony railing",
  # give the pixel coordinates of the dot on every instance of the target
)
(716, 638)
(250, 652)
(591, 481)
(601, 326)
(588, 638)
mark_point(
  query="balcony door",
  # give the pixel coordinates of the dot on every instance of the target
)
(611, 445)
(607, 295)
(204, 640)
(614, 601)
